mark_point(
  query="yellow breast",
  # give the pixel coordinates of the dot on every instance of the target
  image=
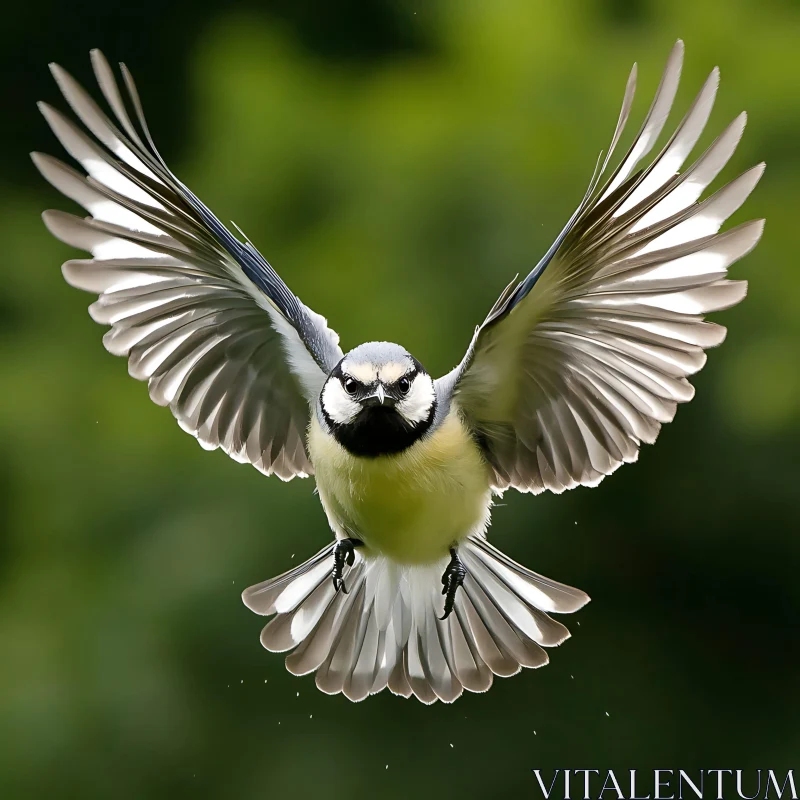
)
(411, 506)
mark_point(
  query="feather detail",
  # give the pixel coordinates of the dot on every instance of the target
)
(202, 317)
(386, 631)
(584, 359)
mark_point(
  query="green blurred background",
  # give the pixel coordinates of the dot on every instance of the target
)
(398, 162)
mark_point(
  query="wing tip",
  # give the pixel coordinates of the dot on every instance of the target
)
(676, 54)
(751, 232)
(61, 76)
(753, 175)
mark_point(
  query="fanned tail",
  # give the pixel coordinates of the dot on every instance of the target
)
(386, 632)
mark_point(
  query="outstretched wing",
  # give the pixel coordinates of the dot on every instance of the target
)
(202, 317)
(584, 359)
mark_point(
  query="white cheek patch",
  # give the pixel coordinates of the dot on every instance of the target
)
(338, 405)
(417, 404)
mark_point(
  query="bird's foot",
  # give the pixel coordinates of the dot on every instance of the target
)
(343, 553)
(453, 578)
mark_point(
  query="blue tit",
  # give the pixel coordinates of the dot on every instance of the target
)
(575, 366)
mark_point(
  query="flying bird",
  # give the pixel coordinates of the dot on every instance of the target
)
(575, 366)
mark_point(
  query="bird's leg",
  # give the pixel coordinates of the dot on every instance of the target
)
(344, 552)
(453, 578)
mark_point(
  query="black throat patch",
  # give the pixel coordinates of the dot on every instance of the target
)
(378, 431)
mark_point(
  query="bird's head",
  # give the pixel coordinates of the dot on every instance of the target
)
(378, 400)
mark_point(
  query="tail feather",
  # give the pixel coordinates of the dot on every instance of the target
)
(515, 643)
(385, 661)
(473, 672)
(526, 619)
(496, 659)
(313, 651)
(386, 632)
(294, 583)
(337, 666)
(365, 663)
(538, 591)
(398, 682)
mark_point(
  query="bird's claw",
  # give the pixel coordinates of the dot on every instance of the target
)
(344, 552)
(453, 578)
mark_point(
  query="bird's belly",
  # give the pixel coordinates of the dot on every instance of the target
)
(411, 506)
(416, 523)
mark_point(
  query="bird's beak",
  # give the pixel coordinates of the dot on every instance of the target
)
(379, 398)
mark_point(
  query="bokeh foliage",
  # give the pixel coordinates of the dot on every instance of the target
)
(398, 164)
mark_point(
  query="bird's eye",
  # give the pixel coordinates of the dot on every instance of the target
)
(350, 386)
(404, 384)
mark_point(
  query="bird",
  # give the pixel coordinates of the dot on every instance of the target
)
(575, 366)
